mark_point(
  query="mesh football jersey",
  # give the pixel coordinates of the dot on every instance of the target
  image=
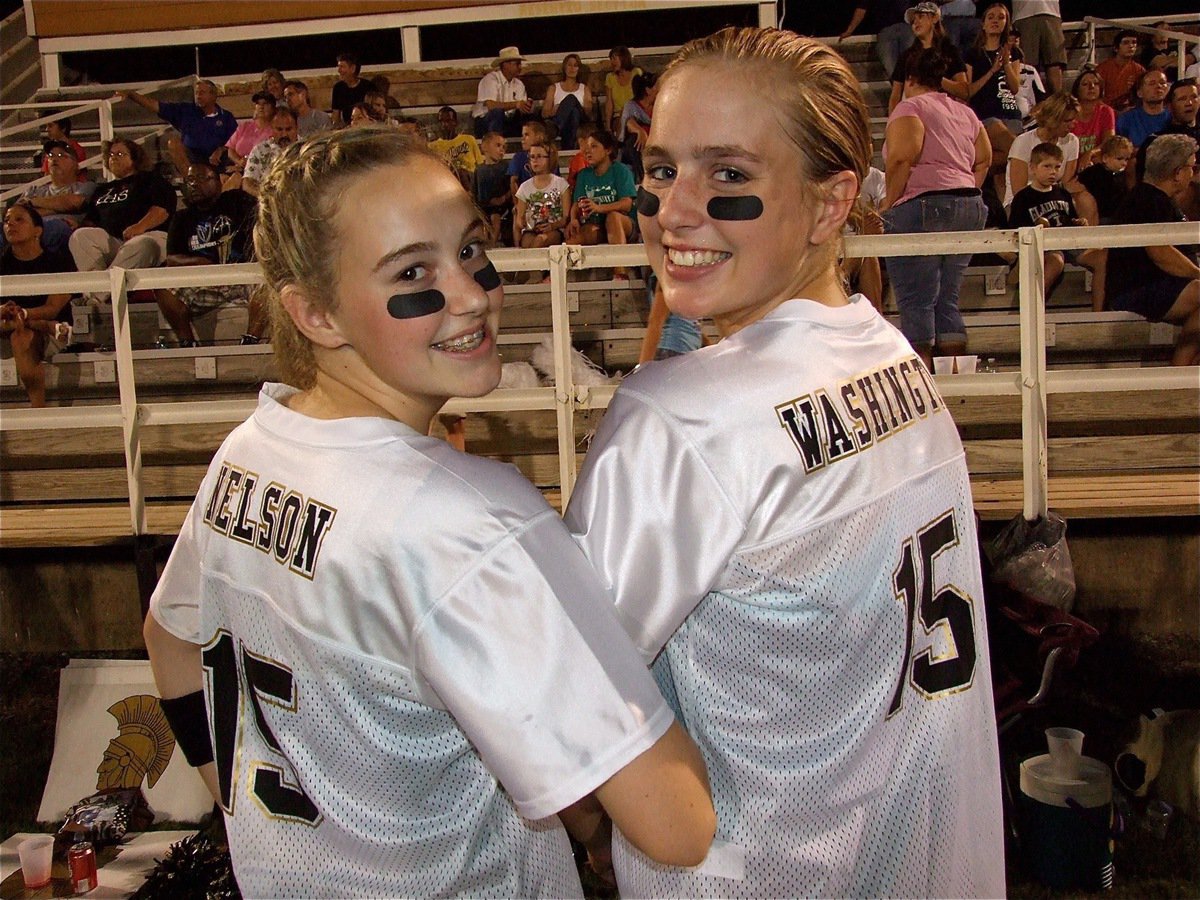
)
(391, 631)
(788, 513)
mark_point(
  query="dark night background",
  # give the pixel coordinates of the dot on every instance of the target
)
(595, 34)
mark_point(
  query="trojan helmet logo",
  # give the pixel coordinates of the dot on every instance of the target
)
(142, 747)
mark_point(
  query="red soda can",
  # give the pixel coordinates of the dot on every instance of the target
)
(82, 861)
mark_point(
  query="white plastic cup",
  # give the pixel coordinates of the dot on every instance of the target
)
(967, 365)
(943, 365)
(1066, 751)
(36, 854)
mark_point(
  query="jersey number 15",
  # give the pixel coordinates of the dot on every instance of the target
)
(262, 680)
(933, 675)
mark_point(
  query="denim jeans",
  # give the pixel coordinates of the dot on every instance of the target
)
(890, 44)
(926, 287)
(496, 120)
(567, 117)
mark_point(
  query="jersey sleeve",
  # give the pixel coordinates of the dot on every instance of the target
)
(652, 519)
(175, 602)
(525, 653)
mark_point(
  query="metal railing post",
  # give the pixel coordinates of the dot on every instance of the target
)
(1091, 39)
(1034, 468)
(561, 257)
(106, 132)
(127, 389)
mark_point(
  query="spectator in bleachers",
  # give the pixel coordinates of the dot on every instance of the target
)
(635, 121)
(1159, 53)
(1032, 91)
(377, 101)
(1183, 100)
(361, 115)
(1044, 202)
(501, 103)
(383, 84)
(519, 170)
(216, 227)
(349, 89)
(1160, 283)
(960, 22)
(863, 274)
(273, 83)
(204, 126)
(885, 18)
(1055, 117)
(618, 85)
(39, 325)
(925, 19)
(253, 131)
(1121, 71)
(60, 202)
(568, 102)
(602, 211)
(261, 157)
(125, 222)
(579, 160)
(1105, 180)
(995, 77)
(1150, 115)
(309, 121)
(1039, 23)
(490, 186)
(937, 156)
(60, 130)
(542, 203)
(461, 151)
(1097, 121)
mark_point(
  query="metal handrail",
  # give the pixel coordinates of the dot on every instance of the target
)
(1181, 38)
(1032, 384)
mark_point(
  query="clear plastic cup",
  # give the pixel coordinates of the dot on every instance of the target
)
(36, 854)
(1066, 751)
(943, 365)
(966, 365)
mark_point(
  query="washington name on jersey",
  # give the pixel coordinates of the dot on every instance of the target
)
(285, 524)
(865, 410)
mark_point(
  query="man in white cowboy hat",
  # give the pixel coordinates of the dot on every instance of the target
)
(501, 101)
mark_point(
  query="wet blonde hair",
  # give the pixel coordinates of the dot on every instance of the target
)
(296, 238)
(819, 99)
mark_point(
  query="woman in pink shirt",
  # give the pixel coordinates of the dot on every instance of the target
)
(1097, 121)
(937, 154)
(252, 132)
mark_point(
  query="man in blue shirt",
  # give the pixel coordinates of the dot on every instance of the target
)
(204, 126)
(1151, 115)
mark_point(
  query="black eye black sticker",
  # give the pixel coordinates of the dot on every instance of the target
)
(413, 306)
(735, 209)
(647, 203)
(487, 277)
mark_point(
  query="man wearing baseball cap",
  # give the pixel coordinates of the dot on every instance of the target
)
(501, 102)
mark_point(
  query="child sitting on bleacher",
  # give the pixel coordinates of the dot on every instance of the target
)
(1105, 180)
(1045, 202)
(519, 170)
(491, 184)
(542, 202)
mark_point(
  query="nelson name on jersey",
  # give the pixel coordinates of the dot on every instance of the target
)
(864, 410)
(288, 526)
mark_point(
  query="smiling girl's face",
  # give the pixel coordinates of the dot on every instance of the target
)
(707, 143)
(405, 230)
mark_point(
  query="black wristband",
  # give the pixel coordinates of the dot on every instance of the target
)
(188, 718)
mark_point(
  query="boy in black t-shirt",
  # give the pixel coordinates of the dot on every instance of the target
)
(1044, 202)
(1105, 180)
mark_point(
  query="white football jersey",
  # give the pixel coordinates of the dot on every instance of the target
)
(788, 513)
(392, 630)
